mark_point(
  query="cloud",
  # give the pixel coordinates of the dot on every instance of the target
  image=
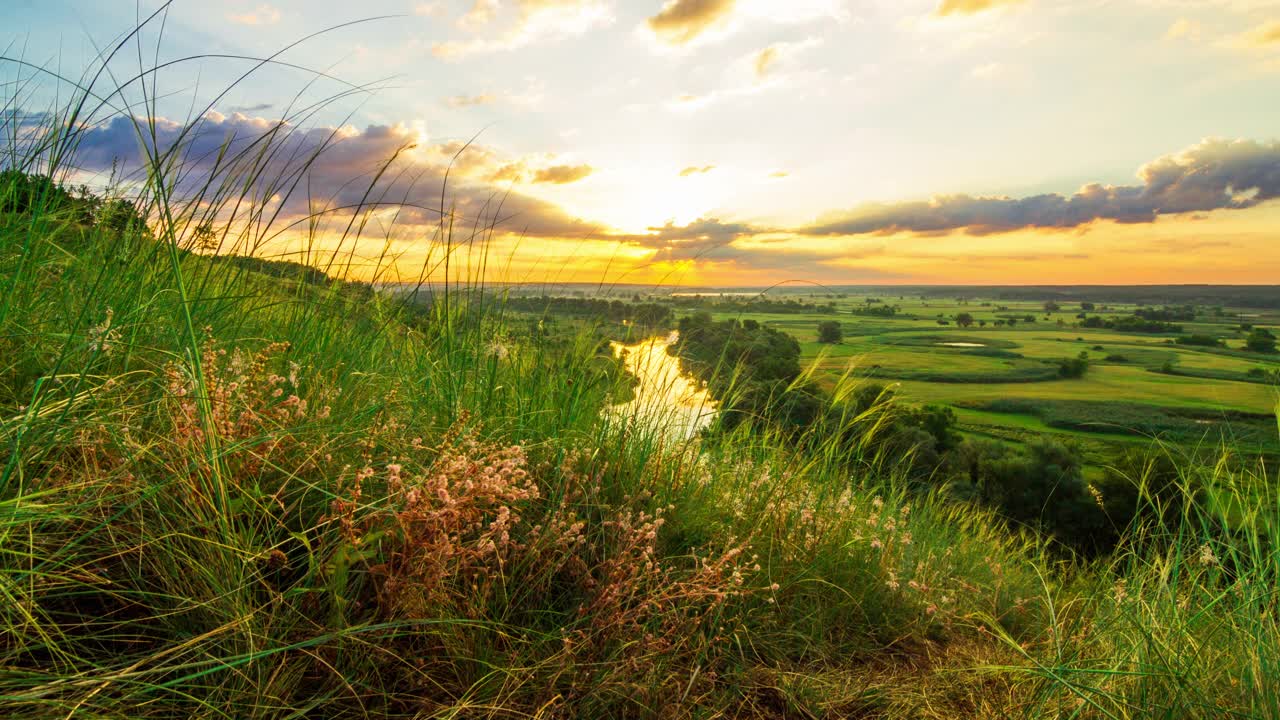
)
(1266, 35)
(259, 107)
(680, 22)
(779, 174)
(562, 174)
(464, 101)
(969, 7)
(1183, 29)
(261, 15)
(764, 60)
(511, 172)
(686, 242)
(696, 170)
(333, 168)
(534, 21)
(481, 13)
(1215, 174)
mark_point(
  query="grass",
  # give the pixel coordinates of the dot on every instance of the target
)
(232, 494)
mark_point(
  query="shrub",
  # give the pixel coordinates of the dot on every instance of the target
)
(1199, 340)
(1261, 340)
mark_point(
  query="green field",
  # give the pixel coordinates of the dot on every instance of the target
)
(1131, 375)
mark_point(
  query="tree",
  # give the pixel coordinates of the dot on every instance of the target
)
(1052, 307)
(204, 238)
(1040, 484)
(829, 332)
(1261, 340)
(964, 320)
(1087, 306)
(1074, 367)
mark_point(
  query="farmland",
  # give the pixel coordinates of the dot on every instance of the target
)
(1002, 379)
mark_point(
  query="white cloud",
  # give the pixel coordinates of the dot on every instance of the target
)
(533, 21)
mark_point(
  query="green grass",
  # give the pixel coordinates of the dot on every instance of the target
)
(227, 494)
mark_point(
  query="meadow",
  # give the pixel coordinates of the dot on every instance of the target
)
(247, 488)
(1216, 391)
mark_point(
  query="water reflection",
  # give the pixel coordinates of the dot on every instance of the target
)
(664, 395)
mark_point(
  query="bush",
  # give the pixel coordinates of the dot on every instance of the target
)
(1199, 340)
(1074, 367)
(829, 332)
(1261, 340)
(1040, 485)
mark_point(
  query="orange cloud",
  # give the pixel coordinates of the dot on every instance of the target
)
(562, 174)
(970, 7)
(680, 22)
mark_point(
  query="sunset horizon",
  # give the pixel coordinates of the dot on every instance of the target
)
(714, 142)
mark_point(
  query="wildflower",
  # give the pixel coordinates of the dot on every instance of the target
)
(931, 609)
(877, 544)
(1206, 555)
(877, 503)
(1097, 495)
(905, 539)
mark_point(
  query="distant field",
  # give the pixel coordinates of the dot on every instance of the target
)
(1135, 382)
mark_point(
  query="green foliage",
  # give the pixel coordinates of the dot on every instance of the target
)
(1131, 324)
(1261, 340)
(1199, 340)
(829, 332)
(1074, 367)
(1040, 485)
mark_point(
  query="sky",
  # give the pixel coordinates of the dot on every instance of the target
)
(713, 142)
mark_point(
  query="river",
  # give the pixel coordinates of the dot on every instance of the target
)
(664, 396)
